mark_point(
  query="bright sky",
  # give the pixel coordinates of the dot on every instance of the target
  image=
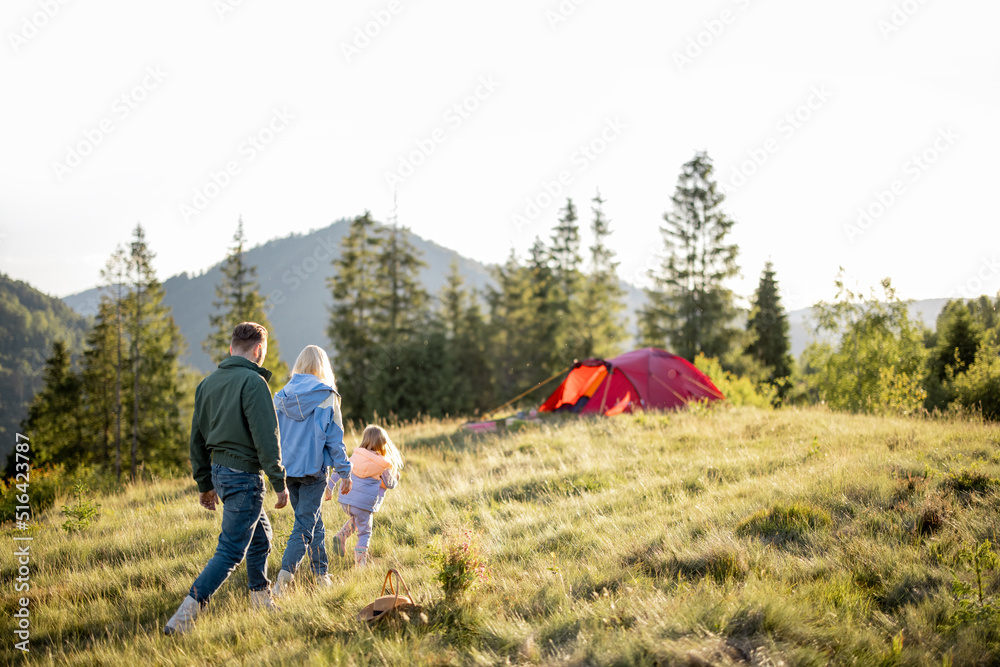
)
(185, 115)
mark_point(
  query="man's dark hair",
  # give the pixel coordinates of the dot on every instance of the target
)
(247, 336)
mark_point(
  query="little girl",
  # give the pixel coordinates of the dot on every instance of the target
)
(375, 467)
(312, 440)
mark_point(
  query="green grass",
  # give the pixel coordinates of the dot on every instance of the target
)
(736, 536)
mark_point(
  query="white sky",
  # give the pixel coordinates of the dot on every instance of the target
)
(885, 98)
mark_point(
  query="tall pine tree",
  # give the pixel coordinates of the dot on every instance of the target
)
(55, 418)
(409, 362)
(401, 303)
(602, 328)
(512, 323)
(101, 390)
(564, 297)
(352, 326)
(238, 300)
(689, 304)
(768, 329)
(155, 343)
(470, 389)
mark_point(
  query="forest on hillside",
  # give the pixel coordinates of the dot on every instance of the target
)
(121, 399)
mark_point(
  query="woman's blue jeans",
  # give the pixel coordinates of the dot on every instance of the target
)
(308, 533)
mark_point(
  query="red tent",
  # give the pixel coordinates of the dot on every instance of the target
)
(642, 379)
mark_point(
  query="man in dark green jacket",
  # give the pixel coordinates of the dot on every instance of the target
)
(234, 444)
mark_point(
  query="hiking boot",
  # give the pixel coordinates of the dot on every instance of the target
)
(183, 618)
(340, 539)
(360, 557)
(324, 581)
(262, 600)
(282, 583)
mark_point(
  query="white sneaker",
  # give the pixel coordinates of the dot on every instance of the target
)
(324, 581)
(282, 583)
(183, 618)
(262, 600)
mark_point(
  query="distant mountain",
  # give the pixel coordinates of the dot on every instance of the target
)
(293, 274)
(30, 321)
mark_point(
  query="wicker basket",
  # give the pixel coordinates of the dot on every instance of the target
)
(391, 604)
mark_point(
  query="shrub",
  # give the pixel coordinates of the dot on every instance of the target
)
(461, 564)
(81, 513)
(784, 522)
(968, 481)
(44, 484)
(737, 390)
(979, 386)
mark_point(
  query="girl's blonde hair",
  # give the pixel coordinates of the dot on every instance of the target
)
(314, 361)
(375, 439)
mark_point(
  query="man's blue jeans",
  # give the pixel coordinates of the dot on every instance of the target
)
(246, 532)
(308, 533)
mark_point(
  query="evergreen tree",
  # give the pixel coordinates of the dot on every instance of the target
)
(403, 332)
(512, 321)
(100, 388)
(550, 343)
(55, 417)
(103, 353)
(955, 344)
(466, 334)
(401, 304)
(155, 344)
(689, 304)
(565, 253)
(353, 325)
(602, 305)
(239, 300)
(768, 329)
(566, 292)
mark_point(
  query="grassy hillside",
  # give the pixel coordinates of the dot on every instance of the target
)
(730, 537)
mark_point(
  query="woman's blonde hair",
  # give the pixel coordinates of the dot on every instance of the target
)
(375, 439)
(314, 361)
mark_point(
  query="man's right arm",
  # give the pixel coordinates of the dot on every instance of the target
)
(201, 458)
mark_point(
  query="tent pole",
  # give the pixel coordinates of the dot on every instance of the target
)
(520, 396)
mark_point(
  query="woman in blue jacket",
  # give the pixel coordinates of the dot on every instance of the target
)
(312, 441)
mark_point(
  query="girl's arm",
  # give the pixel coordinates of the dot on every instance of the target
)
(334, 450)
(389, 479)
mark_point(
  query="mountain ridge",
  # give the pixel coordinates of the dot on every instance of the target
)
(292, 272)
